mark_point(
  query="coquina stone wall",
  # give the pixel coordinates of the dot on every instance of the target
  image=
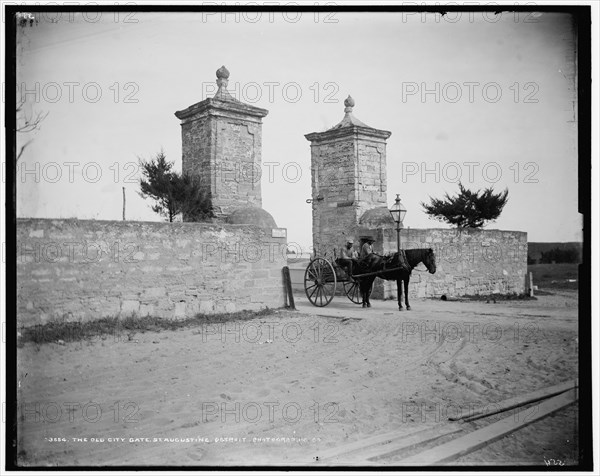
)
(79, 270)
(349, 200)
(469, 262)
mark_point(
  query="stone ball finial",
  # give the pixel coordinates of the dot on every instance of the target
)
(222, 73)
(349, 103)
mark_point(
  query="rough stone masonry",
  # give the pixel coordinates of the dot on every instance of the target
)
(80, 270)
(349, 200)
(348, 164)
(86, 269)
(221, 145)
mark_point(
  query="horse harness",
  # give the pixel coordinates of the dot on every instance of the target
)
(402, 262)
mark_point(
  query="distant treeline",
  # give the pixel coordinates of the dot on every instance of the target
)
(546, 253)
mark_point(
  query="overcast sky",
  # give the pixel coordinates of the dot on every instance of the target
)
(487, 99)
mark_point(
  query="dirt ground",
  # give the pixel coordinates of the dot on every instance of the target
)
(279, 390)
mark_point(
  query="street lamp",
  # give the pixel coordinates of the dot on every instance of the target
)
(398, 212)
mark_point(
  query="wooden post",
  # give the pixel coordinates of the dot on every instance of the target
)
(123, 203)
(530, 284)
(288, 288)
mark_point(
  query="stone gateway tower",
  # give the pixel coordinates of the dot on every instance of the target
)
(349, 200)
(222, 143)
(349, 181)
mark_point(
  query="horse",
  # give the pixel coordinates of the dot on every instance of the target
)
(377, 263)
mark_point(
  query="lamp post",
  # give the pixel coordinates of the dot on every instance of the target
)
(398, 212)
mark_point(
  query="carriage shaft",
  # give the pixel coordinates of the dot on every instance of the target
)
(375, 273)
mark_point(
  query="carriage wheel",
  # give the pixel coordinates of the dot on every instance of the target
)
(319, 282)
(352, 290)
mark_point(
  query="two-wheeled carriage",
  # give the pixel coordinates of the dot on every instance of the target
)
(322, 276)
(321, 279)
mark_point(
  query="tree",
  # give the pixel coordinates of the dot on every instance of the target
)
(467, 209)
(558, 255)
(173, 193)
(192, 199)
(27, 123)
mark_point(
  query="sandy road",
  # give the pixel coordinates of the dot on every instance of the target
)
(310, 380)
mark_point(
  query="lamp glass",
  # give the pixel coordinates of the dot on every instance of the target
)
(398, 211)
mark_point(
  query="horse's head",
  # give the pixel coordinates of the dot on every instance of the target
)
(429, 260)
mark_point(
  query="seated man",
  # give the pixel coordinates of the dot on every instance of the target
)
(347, 254)
(367, 248)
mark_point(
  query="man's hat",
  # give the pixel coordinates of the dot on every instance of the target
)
(350, 241)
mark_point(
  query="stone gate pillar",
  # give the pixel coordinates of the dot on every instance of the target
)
(222, 143)
(349, 178)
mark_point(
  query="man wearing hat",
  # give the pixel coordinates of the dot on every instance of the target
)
(347, 254)
(367, 248)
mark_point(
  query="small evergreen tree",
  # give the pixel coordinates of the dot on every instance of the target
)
(192, 199)
(157, 184)
(467, 209)
(173, 193)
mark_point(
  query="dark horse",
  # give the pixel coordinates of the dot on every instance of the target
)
(377, 263)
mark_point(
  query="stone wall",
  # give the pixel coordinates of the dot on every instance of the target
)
(349, 200)
(372, 175)
(197, 137)
(86, 269)
(469, 262)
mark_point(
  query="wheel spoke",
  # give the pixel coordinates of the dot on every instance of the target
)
(330, 292)
(320, 271)
(312, 286)
(352, 291)
(317, 294)
(324, 294)
(319, 282)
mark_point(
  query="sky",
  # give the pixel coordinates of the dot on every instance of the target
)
(486, 99)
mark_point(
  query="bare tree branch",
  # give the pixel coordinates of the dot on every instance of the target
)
(28, 123)
(23, 149)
